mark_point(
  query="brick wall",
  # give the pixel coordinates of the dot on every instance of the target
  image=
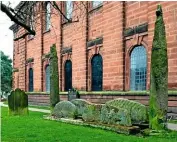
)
(39, 99)
(107, 21)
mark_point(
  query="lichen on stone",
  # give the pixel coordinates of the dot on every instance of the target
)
(138, 112)
(64, 109)
(86, 110)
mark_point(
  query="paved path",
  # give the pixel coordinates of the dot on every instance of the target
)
(31, 109)
(170, 126)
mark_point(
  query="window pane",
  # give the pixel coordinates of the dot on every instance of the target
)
(138, 68)
(97, 73)
(96, 3)
(48, 11)
(68, 75)
(47, 78)
(30, 80)
(69, 9)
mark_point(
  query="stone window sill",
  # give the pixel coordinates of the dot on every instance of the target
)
(46, 31)
(93, 9)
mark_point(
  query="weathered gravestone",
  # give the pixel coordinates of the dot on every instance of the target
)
(18, 102)
(72, 94)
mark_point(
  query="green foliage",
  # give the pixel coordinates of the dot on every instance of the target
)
(138, 112)
(158, 103)
(77, 92)
(6, 74)
(18, 102)
(45, 56)
(64, 109)
(54, 77)
(15, 70)
(29, 60)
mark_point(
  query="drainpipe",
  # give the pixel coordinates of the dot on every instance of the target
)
(61, 45)
(25, 63)
(86, 40)
(123, 41)
(42, 47)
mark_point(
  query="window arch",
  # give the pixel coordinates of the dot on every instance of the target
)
(47, 78)
(30, 80)
(138, 67)
(97, 72)
(68, 75)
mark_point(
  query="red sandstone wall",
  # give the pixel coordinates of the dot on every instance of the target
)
(112, 46)
(106, 21)
(170, 19)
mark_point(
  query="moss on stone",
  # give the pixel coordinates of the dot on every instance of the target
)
(54, 77)
(158, 103)
(92, 113)
(86, 110)
(113, 115)
(18, 103)
(81, 105)
(138, 112)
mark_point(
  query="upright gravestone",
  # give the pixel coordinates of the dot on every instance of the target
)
(72, 94)
(18, 102)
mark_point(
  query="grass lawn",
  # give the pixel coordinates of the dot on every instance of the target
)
(34, 128)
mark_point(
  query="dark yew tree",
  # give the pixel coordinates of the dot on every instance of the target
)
(6, 74)
(159, 76)
(54, 77)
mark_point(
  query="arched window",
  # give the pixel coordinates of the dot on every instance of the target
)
(30, 80)
(97, 72)
(68, 75)
(138, 68)
(47, 78)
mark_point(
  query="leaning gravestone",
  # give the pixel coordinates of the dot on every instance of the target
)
(18, 102)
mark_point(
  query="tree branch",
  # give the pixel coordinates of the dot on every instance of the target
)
(54, 4)
(5, 9)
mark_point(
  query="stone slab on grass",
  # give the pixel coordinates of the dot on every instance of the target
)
(114, 128)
